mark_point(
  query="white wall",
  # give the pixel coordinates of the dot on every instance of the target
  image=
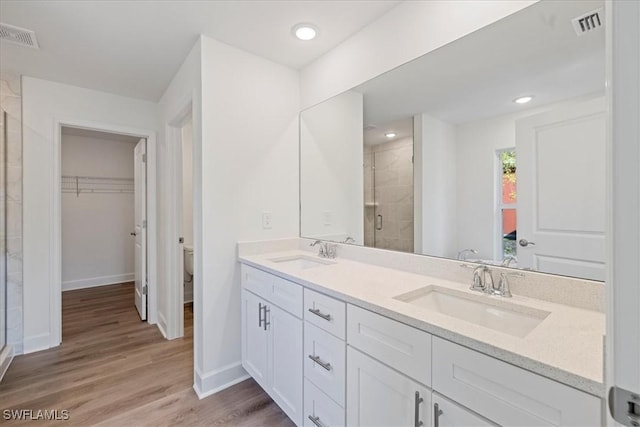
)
(249, 164)
(406, 32)
(331, 152)
(187, 184)
(477, 163)
(97, 248)
(45, 102)
(434, 187)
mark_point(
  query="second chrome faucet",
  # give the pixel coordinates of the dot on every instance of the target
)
(483, 281)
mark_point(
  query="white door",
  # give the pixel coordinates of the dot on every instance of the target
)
(379, 396)
(623, 281)
(285, 361)
(254, 338)
(450, 414)
(561, 190)
(140, 227)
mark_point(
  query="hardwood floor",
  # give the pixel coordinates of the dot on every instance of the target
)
(114, 370)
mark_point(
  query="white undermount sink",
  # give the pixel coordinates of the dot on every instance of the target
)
(481, 310)
(301, 261)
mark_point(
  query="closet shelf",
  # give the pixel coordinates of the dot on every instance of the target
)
(94, 184)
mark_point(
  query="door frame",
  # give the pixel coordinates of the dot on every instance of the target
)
(56, 231)
(174, 323)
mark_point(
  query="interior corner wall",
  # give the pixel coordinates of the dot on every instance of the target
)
(97, 248)
(250, 150)
(43, 103)
(331, 149)
(435, 180)
(406, 32)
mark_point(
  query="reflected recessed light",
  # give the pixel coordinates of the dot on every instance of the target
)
(523, 99)
(390, 134)
(305, 32)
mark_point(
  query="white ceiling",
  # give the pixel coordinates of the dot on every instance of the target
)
(533, 52)
(403, 128)
(134, 48)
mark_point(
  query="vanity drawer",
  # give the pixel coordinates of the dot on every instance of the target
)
(328, 372)
(506, 394)
(283, 293)
(319, 407)
(402, 347)
(325, 312)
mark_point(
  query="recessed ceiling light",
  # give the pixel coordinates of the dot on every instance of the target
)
(523, 99)
(305, 32)
(390, 134)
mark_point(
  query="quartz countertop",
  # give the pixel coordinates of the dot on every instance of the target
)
(567, 346)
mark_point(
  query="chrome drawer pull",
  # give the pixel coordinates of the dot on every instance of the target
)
(436, 415)
(418, 401)
(259, 315)
(317, 312)
(325, 365)
(316, 421)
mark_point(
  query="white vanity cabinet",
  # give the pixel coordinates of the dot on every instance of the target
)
(272, 339)
(448, 414)
(324, 360)
(388, 371)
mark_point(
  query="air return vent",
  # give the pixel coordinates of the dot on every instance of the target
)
(18, 35)
(589, 21)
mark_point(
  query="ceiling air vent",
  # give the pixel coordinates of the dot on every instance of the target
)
(18, 35)
(589, 21)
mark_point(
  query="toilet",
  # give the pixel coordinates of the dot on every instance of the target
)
(188, 273)
(188, 263)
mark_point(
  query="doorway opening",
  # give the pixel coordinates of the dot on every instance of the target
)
(103, 216)
(186, 230)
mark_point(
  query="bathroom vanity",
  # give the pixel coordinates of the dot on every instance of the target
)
(339, 342)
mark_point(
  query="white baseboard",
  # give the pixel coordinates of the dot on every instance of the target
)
(6, 356)
(37, 343)
(162, 325)
(92, 282)
(212, 382)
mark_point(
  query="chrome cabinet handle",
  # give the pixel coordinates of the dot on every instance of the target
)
(266, 322)
(436, 415)
(524, 243)
(316, 421)
(318, 313)
(133, 233)
(325, 365)
(379, 226)
(259, 315)
(418, 401)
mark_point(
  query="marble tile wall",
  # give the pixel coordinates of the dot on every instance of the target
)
(388, 183)
(11, 103)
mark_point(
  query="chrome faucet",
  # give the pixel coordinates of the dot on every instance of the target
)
(503, 289)
(508, 260)
(482, 280)
(326, 250)
(462, 255)
(349, 239)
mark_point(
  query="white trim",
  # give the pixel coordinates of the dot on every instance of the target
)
(38, 342)
(6, 356)
(175, 269)
(55, 281)
(162, 324)
(212, 382)
(94, 282)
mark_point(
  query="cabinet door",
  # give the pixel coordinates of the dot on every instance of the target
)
(255, 339)
(285, 361)
(452, 415)
(379, 396)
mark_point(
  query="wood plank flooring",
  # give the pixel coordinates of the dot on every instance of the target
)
(114, 370)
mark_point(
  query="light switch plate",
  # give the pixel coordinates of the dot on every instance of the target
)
(266, 220)
(327, 217)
